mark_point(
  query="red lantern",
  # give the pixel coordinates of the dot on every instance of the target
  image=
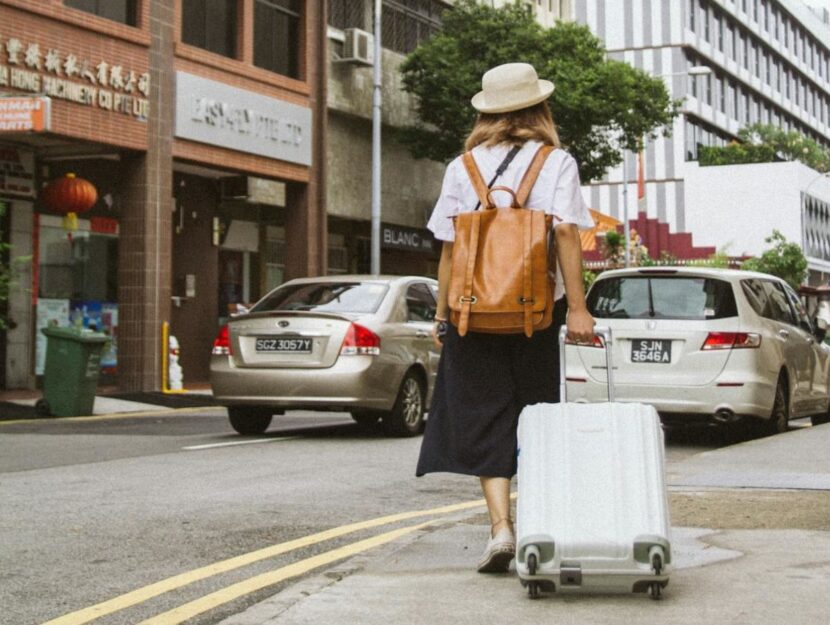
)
(69, 195)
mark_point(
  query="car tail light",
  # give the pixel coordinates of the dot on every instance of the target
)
(731, 340)
(596, 342)
(222, 343)
(360, 341)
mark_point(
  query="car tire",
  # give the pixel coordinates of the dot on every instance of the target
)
(365, 419)
(249, 420)
(779, 420)
(407, 415)
(820, 419)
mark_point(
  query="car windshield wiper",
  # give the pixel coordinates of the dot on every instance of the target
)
(651, 312)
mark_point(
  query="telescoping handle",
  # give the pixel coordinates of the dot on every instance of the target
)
(601, 331)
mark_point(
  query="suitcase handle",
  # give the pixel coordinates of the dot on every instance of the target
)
(605, 333)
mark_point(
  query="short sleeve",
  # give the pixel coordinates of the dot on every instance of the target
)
(568, 203)
(448, 205)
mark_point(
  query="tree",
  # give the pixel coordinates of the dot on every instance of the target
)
(787, 145)
(595, 101)
(784, 259)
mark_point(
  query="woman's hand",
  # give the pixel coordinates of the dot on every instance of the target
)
(439, 332)
(581, 326)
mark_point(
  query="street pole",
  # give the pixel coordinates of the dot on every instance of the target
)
(626, 232)
(376, 113)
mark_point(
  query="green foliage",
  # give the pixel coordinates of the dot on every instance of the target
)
(588, 278)
(735, 154)
(788, 145)
(784, 259)
(765, 143)
(596, 99)
(612, 249)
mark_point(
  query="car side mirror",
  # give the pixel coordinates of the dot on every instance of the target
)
(820, 328)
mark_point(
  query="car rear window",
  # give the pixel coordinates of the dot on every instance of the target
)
(335, 297)
(662, 297)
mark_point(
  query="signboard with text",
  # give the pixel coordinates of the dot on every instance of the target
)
(24, 114)
(212, 112)
(404, 238)
(17, 171)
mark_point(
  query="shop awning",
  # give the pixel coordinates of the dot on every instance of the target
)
(604, 223)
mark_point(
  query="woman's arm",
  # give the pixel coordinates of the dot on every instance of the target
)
(569, 254)
(442, 310)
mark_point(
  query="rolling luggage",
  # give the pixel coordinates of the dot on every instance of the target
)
(592, 512)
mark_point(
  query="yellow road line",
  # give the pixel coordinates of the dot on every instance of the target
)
(146, 593)
(240, 589)
(115, 415)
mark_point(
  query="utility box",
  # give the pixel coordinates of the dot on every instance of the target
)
(70, 375)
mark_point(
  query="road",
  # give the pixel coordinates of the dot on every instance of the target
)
(96, 508)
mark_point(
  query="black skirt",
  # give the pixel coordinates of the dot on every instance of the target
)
(483, 382)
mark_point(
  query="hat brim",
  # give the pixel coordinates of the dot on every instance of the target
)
(479, 101)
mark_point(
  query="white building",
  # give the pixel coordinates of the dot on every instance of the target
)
(769, 62)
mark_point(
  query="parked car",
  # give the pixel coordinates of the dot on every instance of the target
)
(706, 344)
(360, 344)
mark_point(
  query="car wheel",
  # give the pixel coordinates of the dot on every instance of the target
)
(780, 418)
(820, 419)
(407, 415)
(365, 419)
(249, 420)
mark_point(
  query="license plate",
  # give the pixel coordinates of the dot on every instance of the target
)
(294, 346)
(656, 351)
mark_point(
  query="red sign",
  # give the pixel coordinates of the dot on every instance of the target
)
(103, 225)
(22, 114)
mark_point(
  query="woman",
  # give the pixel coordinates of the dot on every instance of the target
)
(484, 380)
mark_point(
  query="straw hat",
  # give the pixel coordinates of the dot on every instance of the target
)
(511, 87)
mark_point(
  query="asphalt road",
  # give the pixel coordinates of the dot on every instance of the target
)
(91, 509)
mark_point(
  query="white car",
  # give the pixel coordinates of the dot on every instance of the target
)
(706, 345)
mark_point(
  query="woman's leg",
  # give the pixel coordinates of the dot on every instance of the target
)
(497, 494)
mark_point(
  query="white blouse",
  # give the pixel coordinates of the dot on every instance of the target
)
(556, 190)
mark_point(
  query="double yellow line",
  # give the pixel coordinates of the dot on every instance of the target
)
(240, 589)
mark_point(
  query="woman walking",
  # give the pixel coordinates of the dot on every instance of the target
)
(484, 380)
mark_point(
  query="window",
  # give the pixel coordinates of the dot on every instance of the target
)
(123, 11)
(210, 25)
(325, 296)
(345, 14)
(406, 24)
(721, 94)
(692, 13)
(420, 303)
(662, 297)
(277, 36)
(768, 300)
(708, 88)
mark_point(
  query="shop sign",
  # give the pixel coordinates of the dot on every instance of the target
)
(17, 171)
(212, 112)
(409, 239)
(24, 114)
(62, 75)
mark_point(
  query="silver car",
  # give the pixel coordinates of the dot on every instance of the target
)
(361, 344)
(706, 344)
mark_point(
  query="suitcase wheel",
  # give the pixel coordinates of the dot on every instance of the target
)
(533, 590)
(655, 590)
(532, 563)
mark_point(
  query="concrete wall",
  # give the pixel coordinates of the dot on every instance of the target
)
(409, 186)
(737, 206)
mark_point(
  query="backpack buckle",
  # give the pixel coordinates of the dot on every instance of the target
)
(472, 299)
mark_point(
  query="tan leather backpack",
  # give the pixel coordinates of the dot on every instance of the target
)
(500, 281)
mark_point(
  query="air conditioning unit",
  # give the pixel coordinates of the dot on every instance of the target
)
(358, 47)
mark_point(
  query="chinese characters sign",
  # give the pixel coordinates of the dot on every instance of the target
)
(62, 75)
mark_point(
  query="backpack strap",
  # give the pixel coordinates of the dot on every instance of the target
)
(468, 299)
(479, 185)
(527, 279)
(532, 173)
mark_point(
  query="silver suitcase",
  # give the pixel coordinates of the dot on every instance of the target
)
(592, 512)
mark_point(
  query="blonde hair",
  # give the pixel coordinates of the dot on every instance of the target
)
(515, 127)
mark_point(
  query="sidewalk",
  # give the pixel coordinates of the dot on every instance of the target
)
(751, 540)
(20, 404)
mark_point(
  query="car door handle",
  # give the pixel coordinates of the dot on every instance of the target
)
(784, 334)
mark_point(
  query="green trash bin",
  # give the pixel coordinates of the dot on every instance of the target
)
(70, 376)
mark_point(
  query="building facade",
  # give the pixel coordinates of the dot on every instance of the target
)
(768, 62)
(203, 135)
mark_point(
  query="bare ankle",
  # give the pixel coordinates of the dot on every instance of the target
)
(505, 522)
